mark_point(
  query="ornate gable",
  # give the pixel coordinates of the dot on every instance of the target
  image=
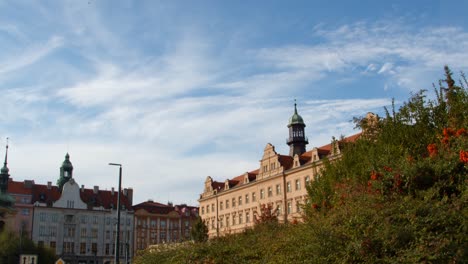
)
(270, 163)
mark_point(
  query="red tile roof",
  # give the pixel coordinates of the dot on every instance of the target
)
(45, 194)
(286, 161)
(18, 188)
(159, 208)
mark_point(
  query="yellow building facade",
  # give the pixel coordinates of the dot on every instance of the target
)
(280, 181)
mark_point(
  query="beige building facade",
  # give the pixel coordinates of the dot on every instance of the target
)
(232, 206)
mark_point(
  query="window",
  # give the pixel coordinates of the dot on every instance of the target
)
(247, 217)
(220, 205)
(262, 194)
(107, 249)
(233, 219)
(163, 224)
(94, 233)
(288, 187)
(42, 217)
(107, 234)
(289, 207)
(94, 248)
(208, 209)
(52, 231)
(95, 219)
(278, 189)
(53, 245)
(265, 168)
(254, 197)
(84, 219)
(68, 247)
(83, 232)
(212, 224)
(307, 180)
(42, 231)
(221, 222)
(25, 211)
(233, 202)
(153, 223)
(82, 248)
(270, 192)
(227, 204)
(212, 208)
(240, 200)
(272, 166)
(298, 207)
(54, 218)
(227, 220)
(240, 218)
(70, 204)
(247, 198)
(298, 184)
(70, 232)
(203, 210)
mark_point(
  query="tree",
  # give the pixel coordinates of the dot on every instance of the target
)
(199, 232)
(13, 246)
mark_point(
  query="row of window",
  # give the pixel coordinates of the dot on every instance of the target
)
(235, 219)
(239, 201)
(84, 219)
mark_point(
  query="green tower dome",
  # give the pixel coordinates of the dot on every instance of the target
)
(67, 163)
(295, 118)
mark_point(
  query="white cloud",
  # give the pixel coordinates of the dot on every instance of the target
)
(29, 55)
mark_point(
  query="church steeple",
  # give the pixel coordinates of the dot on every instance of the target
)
(297, 140)
(4, 173)
(66, 172)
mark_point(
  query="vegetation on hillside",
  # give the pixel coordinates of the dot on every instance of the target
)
(398, 195)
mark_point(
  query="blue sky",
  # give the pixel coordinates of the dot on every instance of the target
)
(179, 90)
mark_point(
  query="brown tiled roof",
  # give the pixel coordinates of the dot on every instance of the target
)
(18, 188)
(43, 194)
(286, 161)
(154, 208)
(104, 198)
(325, 150)
(217, 185)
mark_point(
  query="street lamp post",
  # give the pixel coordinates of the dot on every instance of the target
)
(117, 238)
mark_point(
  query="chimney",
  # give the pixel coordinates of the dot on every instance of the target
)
(130, 196)
(49, 185)
(112, 191)
(82, 188)
(96, 189)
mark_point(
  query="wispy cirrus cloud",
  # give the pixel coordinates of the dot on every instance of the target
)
(29, 55)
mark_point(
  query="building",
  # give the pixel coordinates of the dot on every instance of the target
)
(77, 222)
(157, 223)
(231, 206)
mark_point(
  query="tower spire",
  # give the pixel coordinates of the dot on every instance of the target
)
(295, 106)
(5, 167)
(4, 173)
(297, 140)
